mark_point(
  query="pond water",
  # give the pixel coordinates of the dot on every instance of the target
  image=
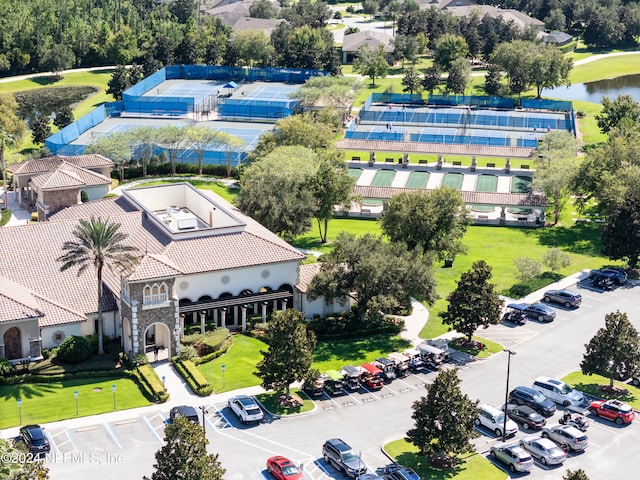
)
(594, 91)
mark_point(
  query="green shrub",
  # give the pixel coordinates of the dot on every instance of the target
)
(30, 378)
(150, 379)
(218, 353)
(208, 342)
(6, 216)
(74, 349)
(193, 377)
(6, 367)
(188, 353)
(139, 360)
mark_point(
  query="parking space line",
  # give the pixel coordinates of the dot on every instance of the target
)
(281, 445)
(75, 447)
(51, 442)
(111, 434)
(406, 383)
(223, 416)
(56, 443)
(150, 427)
(354, 398)
(370, 392)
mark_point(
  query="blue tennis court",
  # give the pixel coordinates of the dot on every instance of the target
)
(198, 92)
(267, 92)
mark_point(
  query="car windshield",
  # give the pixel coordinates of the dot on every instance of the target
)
(539, 398)
(290, 469)
(253, 411)
(350, 456)
(565, 389)
(500, 418)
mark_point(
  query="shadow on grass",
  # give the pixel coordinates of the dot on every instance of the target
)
(423, 468)
(30, 390)
(523, 289)
(355, 349)
(594, 389)
(581, 238)
(48, 80)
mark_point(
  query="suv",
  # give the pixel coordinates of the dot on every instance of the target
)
(568, 298)
(342, 456)
(567, 437)
(398, 472)
(245, 408)
(559, 392)
(34, 438)
(514, 456)
(532, 398)
(184, 411)
(616, 275)
(613, 410)
(493, 419)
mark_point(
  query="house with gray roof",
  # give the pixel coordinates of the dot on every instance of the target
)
(521, 20)
(372, 38)
(202, 262)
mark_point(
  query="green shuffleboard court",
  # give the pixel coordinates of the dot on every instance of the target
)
(487, 183)
(372, 202)
(354, 173)
(383, 178)
(483, 208)
(521, 185)
(453, 180)
(417, 180)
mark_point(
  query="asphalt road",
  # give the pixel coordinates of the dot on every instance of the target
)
(368, 420)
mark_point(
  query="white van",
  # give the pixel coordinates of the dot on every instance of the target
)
(493, 419)
(559, 392)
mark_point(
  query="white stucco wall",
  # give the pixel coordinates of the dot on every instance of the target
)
(319, 307)
(96, 192)
(237, 280)
(48, 333)
(28, 329)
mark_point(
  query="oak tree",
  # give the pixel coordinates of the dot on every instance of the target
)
(613, 351)
(621, 233)
(474, 303)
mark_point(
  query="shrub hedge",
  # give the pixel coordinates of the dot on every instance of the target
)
(208, 342)
(224, 348)
(349, 326)
(29, 378)
(155, 169)
(193, 377)
(149, 378)
(74, 349)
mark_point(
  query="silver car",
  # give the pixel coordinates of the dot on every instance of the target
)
(544, 450)
(513, 456)
(567, 435)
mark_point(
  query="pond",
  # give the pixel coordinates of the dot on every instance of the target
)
(594, 91)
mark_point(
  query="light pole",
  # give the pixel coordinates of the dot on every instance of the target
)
(20, 409)
(204, 419)
(223, 369)
(506, 394)
(75, 394)
(113, 389)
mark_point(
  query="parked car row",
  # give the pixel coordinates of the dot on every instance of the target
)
(373, 375)
(531, 407)
(518, 313)
(338, 453)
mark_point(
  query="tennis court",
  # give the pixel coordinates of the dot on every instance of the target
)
(417, 180)
(198, 91)
(354, 173)
(276, 92)
(383, 178)
(487, 183)
(521, 185)
(453, 180)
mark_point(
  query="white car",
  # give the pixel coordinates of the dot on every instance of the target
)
(544, 450)
(560, 392)
(567, 435)
(246, 409)
(493, 419)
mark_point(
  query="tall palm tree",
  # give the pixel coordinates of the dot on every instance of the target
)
(98, 243)
(6, 141)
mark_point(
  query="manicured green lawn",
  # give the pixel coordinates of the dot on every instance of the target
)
(589, 384)
(240, 364)
(609, 67)
(269, 400)
(50, 402)
(471, 467)
(334, 354)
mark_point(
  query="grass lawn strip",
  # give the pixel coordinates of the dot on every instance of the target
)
(51, 402)
(334, 354)
(589, 384)
(270, 401)
(471, 467)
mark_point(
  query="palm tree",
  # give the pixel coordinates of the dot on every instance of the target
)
(6, 141)
(98, 243)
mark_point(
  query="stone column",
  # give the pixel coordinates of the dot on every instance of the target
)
(215, 317)
(203, 315)
(264, 312)
(284, 304)
(235, 316)
(503, 215)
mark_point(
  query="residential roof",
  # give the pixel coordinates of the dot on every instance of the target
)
(67, 175)
(17, 302)
(559, 38)
(372, 38)
(520, 19)
(247, 23)
(47, 164)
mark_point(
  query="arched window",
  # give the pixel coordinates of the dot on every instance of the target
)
(155, 293)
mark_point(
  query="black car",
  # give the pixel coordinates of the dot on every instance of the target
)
(541, 312)
(526, 416)
(532, 398)
(616, 275)
(343, 457)
(34, 438)
(184, 411)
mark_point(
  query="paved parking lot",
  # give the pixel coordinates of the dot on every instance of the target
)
(125, 448)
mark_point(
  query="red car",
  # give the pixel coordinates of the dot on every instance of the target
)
(613, 410)
(284, 469)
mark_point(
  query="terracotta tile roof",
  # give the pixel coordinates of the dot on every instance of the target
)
(17, 302)
(55, 314)
(371, 38)
(470, 198)
(423, 147)
(67, 175)
(307, 272)
(105, 207)
(154, 266)
(47, 164)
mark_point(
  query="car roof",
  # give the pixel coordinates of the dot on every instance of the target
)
(522, 388)
(522, 408)
(550, 380)
(185, 410)
(35, 431)
(541, 306)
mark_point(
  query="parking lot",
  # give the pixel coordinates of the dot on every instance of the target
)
(368, 419)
